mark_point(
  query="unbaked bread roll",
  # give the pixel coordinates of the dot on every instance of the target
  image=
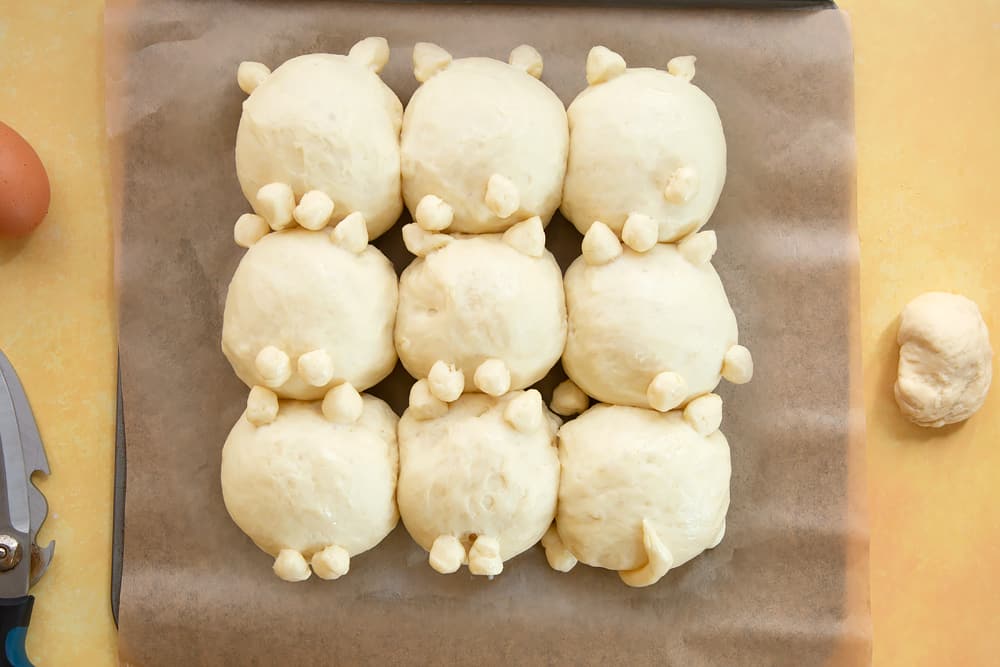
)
(307, 311)
(309, 491)
(319, 139)
(478, 478)
(643, 142)
(484, 142)
(651, 329)
(945, 359)
(641, 492)
(482, 313)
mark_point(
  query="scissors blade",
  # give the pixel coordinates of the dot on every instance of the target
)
(14, 481)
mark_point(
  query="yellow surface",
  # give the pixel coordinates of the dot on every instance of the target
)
(928, 99)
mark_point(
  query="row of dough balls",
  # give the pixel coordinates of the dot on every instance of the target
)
(481, 146)
(479, 482)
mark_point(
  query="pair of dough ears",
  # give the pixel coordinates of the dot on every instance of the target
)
(527, 236)
(603, 64)
(659, 560)
(371, 52)
(640, 233)
(332, 562)
(447, 554)
(429, 59)
(279, 210)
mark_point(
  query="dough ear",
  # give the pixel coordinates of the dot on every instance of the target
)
(433, 214)
(568, 399)
(682, 185)
(262, 406)
(421, 242)
(603, 64)
(424, 404)
(704, 414)
(371, 52)
(640, 232)
(351, 233)
(527, 237)
(249, 75)
(527, 58)
(249, 229)
(314, 210)
(502, 196)
(492, 377)
(699, 248)
(682, 67)
(290, 565)
(275, 203)
(484, 557)
(332, 562)
(666, 391)
(316, 368)
(445, 382)
(343, 404)
(428, 60)
(526, 413)
(273, 366)
(556, 553)
(737, 366)
(600, 245)
(447, 554)
(658, 563)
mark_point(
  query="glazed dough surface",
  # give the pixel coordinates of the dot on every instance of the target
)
(470, 473)
(298, 291)
(325, 122)
(476, 118)
(642, 314)
(478, 298)
(305, 483)
(622, 465)
(945, 359)
(628, 138)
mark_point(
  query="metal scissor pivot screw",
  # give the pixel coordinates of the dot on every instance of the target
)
(10, 552)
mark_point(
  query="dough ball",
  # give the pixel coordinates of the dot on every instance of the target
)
(945, 359)
(325, 122)
(623, 465)
(470, 473)
(645, 314)
(475, 119)
(644, 142)
(303, 483)
(294, 293)
(478, 298)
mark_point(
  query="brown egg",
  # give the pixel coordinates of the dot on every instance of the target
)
(24, 185)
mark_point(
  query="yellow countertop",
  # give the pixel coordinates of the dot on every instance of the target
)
(928, 99)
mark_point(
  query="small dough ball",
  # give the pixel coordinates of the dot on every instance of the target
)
(622, 465)
(641, 315)
(470, 473)
(298, 292)
(304, 483)
(478, 298)
(945, 359)
(325, 122)
(477, 119)
(644, 142)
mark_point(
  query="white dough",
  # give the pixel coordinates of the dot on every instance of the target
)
(642, 141)
(642, 315)
(623, 466)
(487, 138)
(945, 359)
(306, 489)
(478, 298)
(313, 312)
(328, 123)
(473, 475)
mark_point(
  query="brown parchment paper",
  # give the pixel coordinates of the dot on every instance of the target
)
(787, 586)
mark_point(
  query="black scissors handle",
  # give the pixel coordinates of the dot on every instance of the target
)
(15, 613)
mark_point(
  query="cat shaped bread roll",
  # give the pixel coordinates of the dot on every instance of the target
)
(309, 311)
(641, 492)
(643, 142)
(311, 490)
(319, 140)
(480, 313)
(484, 142)
(478, 478)
(651, 328)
